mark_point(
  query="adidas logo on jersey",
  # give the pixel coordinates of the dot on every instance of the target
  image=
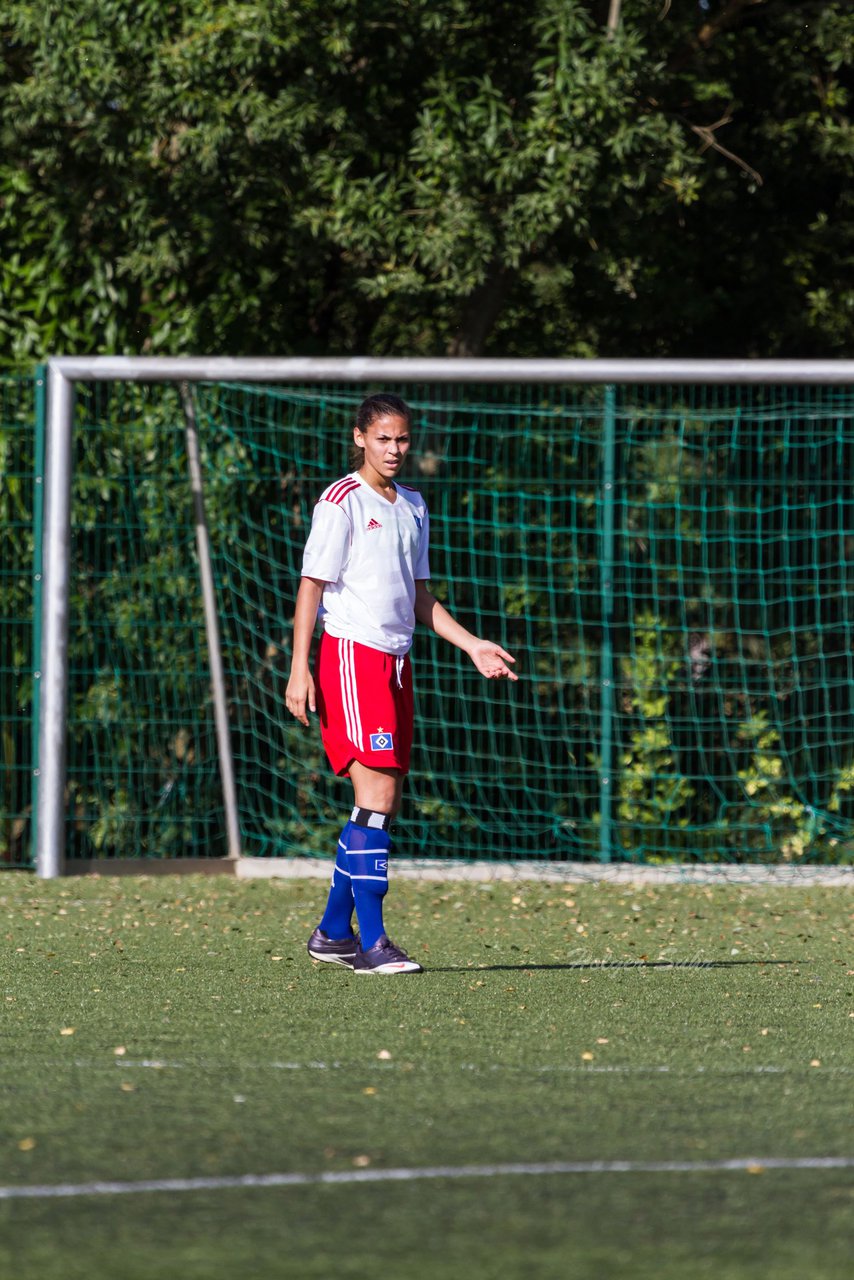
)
(372, 524)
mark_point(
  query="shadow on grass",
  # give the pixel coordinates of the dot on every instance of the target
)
(610, 964)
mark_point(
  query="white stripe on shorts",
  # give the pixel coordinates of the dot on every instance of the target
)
(350, 693)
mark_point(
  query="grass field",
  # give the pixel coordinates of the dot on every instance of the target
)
(161, 1029)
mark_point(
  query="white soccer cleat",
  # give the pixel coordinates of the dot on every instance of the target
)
(384, 957)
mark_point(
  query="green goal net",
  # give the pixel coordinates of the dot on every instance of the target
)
(671, 565)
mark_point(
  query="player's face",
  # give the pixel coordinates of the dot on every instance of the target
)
(386, 443)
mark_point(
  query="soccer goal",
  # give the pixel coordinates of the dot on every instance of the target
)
(666, 546)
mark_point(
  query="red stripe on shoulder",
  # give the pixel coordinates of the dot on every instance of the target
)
(337, 492)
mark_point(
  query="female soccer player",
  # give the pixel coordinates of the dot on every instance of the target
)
(365, 571)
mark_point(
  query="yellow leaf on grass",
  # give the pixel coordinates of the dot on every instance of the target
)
(26, 1144)
(68, 1031)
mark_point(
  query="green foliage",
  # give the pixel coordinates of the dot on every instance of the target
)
(772, 794)
(652, 792)
(422, 177)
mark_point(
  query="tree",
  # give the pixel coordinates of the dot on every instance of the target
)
(427, 176)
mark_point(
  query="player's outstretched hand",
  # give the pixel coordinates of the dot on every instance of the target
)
(491, 661)
(299, 695)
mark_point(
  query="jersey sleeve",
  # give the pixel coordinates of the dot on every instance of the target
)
(422, 561)
(328, 543)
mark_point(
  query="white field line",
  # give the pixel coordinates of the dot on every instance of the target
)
(472, 1068)
(70, 1190)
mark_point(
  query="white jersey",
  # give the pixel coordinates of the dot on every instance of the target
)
(370, 553)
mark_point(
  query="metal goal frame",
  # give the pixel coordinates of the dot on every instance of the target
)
(64, 373)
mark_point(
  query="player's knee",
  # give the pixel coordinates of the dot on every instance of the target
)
(379, 790)
(394, 808)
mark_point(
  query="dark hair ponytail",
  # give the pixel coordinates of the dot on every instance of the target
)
(382, 405)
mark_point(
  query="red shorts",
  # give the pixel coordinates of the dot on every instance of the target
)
(365, 703)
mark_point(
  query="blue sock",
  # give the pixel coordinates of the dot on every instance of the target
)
(367, 857)
(339, 905)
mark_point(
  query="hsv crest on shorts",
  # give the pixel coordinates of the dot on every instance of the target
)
(382, 741)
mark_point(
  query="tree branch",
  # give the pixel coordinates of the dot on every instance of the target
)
(613, 18)
(707, 133)
(727, 17)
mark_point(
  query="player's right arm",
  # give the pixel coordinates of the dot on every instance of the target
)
(300, 696)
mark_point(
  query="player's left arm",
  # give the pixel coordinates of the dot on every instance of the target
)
(490, 659)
